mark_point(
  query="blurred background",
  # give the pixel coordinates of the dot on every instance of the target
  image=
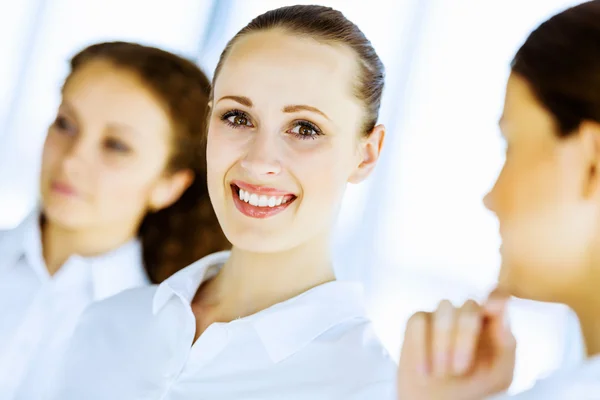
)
(417, 231)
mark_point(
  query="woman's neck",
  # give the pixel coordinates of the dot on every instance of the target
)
(588, 313)
(250, 282)
(60, 243)
(584, 300)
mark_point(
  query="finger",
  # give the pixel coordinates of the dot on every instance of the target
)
(416, 348)
(496, 299)
(442, 338)
(466, 337)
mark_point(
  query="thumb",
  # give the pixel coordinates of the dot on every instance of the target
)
(495, 310)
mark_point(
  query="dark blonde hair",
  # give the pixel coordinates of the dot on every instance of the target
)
(330, 26)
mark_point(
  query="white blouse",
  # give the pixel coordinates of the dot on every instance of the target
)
(39, 312)
(580, 383)
(138, 345)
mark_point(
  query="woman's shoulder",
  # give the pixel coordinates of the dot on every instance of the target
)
(128, 304)
(355, 350)
(358, 337)
(123, 317)
(11, 240)
(17, 232)
(7, 233)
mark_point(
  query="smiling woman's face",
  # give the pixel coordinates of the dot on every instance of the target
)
(283, 140)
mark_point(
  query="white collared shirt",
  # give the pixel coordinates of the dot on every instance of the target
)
(138, 345)
(580, 383)
(39, 312)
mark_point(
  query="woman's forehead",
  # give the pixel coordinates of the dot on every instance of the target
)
(272, 66)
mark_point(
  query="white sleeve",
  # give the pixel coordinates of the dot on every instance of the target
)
(384, 390)
(581, 384)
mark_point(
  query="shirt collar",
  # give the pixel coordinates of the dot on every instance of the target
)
(185, 283)
(111, 273)
(289, 326)
(284, 328)
(118, 270)
(24, 241)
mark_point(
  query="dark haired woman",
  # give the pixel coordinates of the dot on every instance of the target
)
(124, 203)
(547, 200)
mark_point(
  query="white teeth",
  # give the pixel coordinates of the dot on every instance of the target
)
(262, 200)
(253, 199)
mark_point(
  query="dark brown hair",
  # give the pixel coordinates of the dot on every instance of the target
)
(329, 26)
(186, 231)
(561, 62)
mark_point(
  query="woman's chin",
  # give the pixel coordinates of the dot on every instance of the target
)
(64, 215)
(250, 240)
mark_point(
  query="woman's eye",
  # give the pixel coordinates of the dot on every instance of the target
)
(305, 130)
(63, 124)
(117, 145)
(239, 120)
(236, 119)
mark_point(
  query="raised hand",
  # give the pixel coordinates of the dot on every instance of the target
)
(465, 353)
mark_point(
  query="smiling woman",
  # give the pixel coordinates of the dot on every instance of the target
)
(292, 121)
(306, 140)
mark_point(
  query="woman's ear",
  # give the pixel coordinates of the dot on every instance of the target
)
(169, 189)
(589, 133)
(369, 152)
